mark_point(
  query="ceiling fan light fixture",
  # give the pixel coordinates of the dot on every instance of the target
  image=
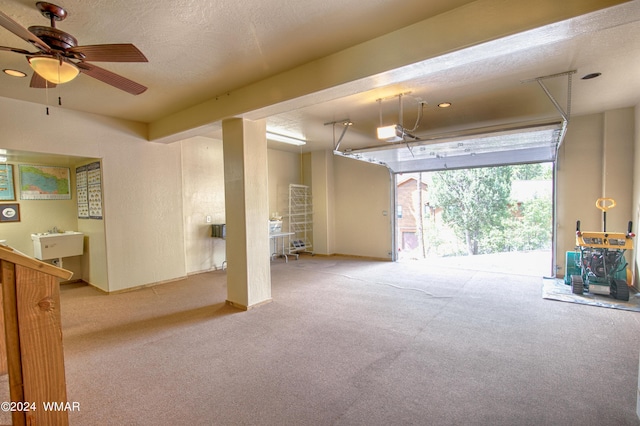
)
(444, 104)
(53, 69)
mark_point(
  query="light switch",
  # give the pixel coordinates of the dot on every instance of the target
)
(208, 219)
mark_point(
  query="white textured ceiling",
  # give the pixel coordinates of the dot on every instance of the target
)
(202, 50)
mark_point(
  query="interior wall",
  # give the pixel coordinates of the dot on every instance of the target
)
(143, 214)
(594, 161)
(362, 202)
(94, 258)
(617, 169)
(284, 168)
(323, 189)
(141, 180)
(202, 197)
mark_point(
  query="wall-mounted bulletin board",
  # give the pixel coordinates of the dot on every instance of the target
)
(89, 191)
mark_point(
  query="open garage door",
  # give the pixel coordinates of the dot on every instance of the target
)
(484, 148)
(504, 145)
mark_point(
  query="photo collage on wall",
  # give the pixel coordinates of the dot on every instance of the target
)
(89, 191)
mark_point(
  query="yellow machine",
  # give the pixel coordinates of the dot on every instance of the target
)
(598, 264)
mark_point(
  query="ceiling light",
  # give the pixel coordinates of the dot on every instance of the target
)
(592, 75)
(444, 104)
(393, 132)
(285, 139)
(53, 70)
(397, 132)
(14, 73)
(389, 132)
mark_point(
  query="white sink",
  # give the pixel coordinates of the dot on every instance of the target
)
(57, 245)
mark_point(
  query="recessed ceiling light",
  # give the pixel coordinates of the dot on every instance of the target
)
(444, 104)
(14, 73)
(592, 75)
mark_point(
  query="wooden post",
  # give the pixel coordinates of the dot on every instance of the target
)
(33, 336)
(12, 337)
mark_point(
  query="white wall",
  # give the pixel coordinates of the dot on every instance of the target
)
(323, 179)
(595, 161)
(203, 195)
(284, 169)
(142, 187)
(362, 197)
(579, 182)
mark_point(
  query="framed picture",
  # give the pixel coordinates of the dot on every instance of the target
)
(7, 186)
(10, 212)
(44, 182)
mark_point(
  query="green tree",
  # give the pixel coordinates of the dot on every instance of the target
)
(537, 224)
(532, 171)
(474, 201)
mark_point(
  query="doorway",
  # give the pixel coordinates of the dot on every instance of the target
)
(489, 218)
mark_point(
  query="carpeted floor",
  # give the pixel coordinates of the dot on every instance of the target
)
(349, 342)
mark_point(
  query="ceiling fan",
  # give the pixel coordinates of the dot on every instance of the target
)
(59, 59)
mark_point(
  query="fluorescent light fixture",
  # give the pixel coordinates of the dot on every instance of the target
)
(285, 139)
(53, 70)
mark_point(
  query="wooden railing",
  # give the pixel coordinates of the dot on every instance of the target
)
(31, 347)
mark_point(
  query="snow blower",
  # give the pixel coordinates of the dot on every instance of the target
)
(598, 264)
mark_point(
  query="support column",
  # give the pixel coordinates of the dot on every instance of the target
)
(247, 212)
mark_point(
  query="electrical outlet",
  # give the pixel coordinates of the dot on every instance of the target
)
(208, 219)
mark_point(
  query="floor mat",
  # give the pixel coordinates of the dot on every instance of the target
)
(556, 289)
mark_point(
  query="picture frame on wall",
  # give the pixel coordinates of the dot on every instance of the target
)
(10, 212)
(7, 183)
(44, 182)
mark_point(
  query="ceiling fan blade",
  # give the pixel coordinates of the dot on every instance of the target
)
(38, 82)
(125, 52)
(110, 78)
(13, 49)
(22, 32)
